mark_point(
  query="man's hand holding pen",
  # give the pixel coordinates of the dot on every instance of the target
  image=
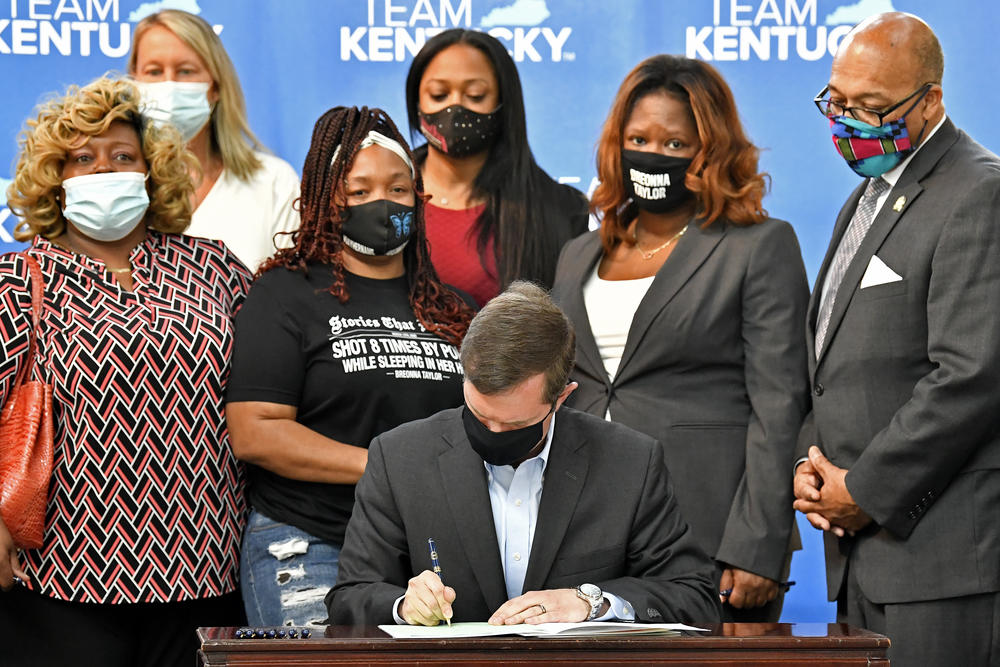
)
(427, 600)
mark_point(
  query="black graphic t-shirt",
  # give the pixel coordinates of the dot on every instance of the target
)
(353, 370)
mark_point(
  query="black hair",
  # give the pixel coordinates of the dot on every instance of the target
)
(524, 205)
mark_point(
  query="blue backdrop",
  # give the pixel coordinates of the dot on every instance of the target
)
(297, 58)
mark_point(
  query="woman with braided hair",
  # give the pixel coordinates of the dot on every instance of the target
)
(344, 335)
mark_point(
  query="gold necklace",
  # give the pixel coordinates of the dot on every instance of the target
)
(649, 254)
(67, 248)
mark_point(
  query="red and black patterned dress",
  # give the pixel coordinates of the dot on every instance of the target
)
(145, 503)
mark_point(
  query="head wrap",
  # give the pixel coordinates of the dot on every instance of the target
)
(378, 139)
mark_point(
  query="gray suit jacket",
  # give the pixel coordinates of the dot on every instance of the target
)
(607, 516)
(907, 388)
(714, 367)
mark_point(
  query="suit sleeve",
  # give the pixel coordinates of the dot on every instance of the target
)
(775, 296)
(953, 410)
(670, 579)
(374, 562)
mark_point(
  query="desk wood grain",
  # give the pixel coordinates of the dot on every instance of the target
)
(725, 644)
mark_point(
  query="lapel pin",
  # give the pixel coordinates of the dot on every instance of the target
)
(900, 203)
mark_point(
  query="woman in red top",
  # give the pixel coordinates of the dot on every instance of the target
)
(494, 215)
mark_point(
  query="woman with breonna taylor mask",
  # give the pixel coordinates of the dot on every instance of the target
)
(244, 195)
(494, 216)
(345, 335)
(689, 306)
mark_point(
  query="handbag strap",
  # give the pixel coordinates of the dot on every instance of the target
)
(37, 283)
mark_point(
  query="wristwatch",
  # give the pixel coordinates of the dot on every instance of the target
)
(593, 596)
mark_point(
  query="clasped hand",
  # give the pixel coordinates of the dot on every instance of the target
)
(746, 589)
(821, 494)
(428, 602)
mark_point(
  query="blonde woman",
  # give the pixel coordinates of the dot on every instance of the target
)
(244, 195)
(144, 516)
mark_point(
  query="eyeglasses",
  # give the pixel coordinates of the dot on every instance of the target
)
(829, 108)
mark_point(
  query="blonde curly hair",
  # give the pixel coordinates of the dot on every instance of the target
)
(66, 123)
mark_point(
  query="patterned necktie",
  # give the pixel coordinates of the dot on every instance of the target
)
(860, 223)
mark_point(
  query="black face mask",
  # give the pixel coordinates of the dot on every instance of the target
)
(655, 182)
(504, 448)
(379, 227)
(460, 132)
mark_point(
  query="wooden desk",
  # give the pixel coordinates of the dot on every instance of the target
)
(726, 644)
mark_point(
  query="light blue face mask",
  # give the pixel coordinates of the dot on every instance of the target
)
(183, 104)
(106, 207)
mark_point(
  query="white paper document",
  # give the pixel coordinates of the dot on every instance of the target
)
(589, 629)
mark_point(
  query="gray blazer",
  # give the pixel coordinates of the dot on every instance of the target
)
(714, 368)
(907, 388)
(607, 516)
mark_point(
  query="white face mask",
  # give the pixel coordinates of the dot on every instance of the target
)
(183, 104)
(106, 207)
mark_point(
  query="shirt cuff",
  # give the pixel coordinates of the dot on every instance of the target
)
(619, 609)
(798, 462)
(395, 611)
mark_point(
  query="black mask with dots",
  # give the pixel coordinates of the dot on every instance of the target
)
(460, 132)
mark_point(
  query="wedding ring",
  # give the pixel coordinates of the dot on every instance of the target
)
(542, 607)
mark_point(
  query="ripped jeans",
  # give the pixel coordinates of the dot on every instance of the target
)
(285, 573)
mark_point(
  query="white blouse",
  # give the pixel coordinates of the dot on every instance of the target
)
(245, 215)
(611, 305)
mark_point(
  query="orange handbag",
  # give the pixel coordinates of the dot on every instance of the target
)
(26, 436)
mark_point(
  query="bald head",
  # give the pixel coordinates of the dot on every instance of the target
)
(886, 60)
(901, 38)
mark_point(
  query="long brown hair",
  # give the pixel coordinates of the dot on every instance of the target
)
(723, 174)
(318, 239)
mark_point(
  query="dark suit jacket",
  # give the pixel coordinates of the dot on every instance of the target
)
(714, 367)
(907, 388)
(607, 516)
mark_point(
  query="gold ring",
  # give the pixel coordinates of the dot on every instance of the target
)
(542, 607)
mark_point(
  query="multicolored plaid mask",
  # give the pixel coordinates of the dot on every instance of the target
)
(869, 150)
(872, 150)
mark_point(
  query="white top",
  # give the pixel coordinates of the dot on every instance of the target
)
(245, 215)
(611, 305)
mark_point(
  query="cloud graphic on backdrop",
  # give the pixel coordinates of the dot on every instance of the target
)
(7, 219)
(858, 12)
(147, 8)
(519, 12)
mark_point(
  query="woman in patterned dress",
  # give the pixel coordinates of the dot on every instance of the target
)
(145, 510)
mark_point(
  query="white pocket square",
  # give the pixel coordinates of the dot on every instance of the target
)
(878, 273)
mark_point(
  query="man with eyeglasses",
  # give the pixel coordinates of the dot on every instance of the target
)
(901, 454)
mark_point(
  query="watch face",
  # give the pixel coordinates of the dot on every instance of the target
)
(590, 590)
